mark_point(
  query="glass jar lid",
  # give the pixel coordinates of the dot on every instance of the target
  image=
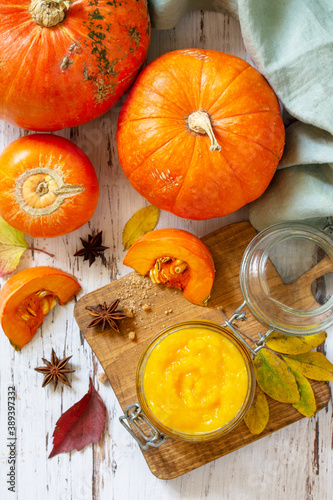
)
(286, 278)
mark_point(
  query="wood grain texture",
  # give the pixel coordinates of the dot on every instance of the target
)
(119, 355)
(295, 462)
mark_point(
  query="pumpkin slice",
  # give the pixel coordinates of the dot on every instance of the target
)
(28, 296)
(175, 258)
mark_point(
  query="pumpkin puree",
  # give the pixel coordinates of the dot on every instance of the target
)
(195, 380)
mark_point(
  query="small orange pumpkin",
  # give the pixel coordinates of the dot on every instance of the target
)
(175, 258)
(48, 186)
(200, 133)
(27, 297)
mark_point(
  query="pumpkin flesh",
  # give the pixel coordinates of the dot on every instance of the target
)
(28, 296)
(175, 258)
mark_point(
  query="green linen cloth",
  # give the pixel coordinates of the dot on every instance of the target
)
(291, 44)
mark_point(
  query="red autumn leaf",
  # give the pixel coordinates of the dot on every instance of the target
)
(81, 424)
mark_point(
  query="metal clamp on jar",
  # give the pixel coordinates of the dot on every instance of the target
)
(286, 279)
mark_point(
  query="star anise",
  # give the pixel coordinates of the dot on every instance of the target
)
(92, 248)
(55, 370)
(106, 315)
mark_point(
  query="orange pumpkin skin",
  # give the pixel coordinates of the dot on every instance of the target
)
(170, 163)
(66, 75)
(185, 251)
(24, 303)
(48, 185)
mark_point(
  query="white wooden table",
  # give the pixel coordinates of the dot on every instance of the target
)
(294, 463)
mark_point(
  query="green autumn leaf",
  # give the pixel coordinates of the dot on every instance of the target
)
(12, 246)
(275, 378)
(288, 344)
(257, 416)
(307, 404)
(313, 365)
(140, 223)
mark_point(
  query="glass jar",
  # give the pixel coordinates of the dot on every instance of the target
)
(281, 274)
(193, 359)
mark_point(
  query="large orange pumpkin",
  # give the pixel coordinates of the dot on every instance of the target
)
(48, 185)
(200, 133)
(64, 63)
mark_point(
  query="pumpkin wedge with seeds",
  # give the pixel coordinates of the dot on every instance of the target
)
(28, 296)
(175, 258)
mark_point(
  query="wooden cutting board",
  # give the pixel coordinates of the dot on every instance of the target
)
(155, 307)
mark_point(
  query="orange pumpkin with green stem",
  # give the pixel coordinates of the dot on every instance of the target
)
(175, 258)
(27, 297)
(48, 185)
(200, 133)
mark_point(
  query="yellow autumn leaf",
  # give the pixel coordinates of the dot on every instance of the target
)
(288, 344)
(140, 223)
(307, 404)
(313, 365)
(12, 246)
(275, 378)
(257, 416)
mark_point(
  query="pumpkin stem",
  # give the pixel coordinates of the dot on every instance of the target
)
(40, 250)
(41, 191)
(49, 13)
(199, 122)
